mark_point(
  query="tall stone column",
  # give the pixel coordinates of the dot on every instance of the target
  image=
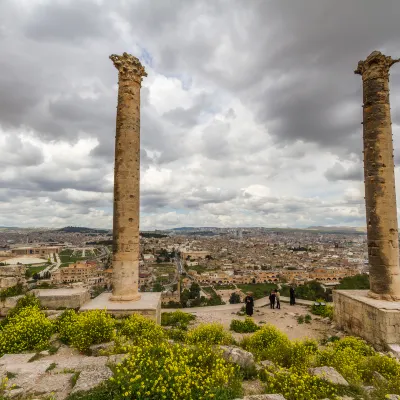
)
(380, 194)
(127, 179)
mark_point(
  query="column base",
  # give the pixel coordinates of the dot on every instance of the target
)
(134, 297)
(377, 321)
(149, 305)
(387, 297)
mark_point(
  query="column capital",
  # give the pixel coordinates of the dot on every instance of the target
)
(376, 65)
(129, 67)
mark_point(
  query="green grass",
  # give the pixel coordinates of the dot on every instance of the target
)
(224, 287)
(36, 270)
(259, 290)
(208, 289)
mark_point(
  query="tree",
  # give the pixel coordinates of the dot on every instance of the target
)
(355, 282)
(195, 290)
(234, 299)
(157, 287)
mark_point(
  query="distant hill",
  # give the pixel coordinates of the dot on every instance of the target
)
(359, 229)
(80, 229)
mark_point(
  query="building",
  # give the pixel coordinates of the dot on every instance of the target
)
(41, 250)
(86, 272)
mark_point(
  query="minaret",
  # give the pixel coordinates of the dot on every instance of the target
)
(380, 194)
(127, 179)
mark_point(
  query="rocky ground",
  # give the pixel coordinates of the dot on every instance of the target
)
(284, 319)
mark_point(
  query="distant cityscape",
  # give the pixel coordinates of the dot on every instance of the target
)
(211, 262)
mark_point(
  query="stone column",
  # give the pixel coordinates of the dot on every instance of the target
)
(380, 194)
(127, 179)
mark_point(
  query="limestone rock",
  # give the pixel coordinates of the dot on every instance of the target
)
(329, 374)
(53, 383)
(9, 359)
(98, 349)
(393, 397)
(12, 394)
(90, 379)
(116, 358)
(238, 356)
(378, 377)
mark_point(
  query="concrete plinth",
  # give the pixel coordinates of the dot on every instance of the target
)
(54, 299)
(149, 305)
(377, 321)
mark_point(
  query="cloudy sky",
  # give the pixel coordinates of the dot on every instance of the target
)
(250, 112)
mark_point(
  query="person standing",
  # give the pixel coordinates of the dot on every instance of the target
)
(272, 300)
(278, 299)
(292, 297)
(249, 301)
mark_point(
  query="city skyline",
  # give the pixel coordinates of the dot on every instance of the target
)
(250, 113)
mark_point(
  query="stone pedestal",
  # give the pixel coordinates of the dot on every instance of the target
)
(54, 299)
(149, 305)
(377, 321)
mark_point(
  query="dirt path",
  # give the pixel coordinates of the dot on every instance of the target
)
(284, 319)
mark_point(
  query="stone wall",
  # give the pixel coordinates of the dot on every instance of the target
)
(377, 321)
(11, 275)
(7, 304)
(54, 299)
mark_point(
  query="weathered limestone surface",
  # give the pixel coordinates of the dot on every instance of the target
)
(380, 194)
(126, 179)
(58, 298)
(330, 375)
(238, 356)
(148, 305)
(377, 321)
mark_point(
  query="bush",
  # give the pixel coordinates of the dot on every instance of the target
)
(165, 371)
(349, 357)
(324, 311)
(28, 300)
(65, 325)
(301, 354)
(246, 326)
(209, 334)
(84, 329)
(307, 319)
(295, 385)
(138, 328)
(177, 318)
(29, 329)
(300, 319)
(11, 291)
(268, 343)
(177, 334)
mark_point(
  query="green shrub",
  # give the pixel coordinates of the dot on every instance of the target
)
(295, 385)
(16, 290)
(65, 325)
(82, 330)
(349, 357)
(301, 354)
(28, 300)
(138, 328)
(165, 371)
(300, 319)
(268, 343)
(177, 318)
(324, 311)
(307, 319)
(246, 326)
(177, 334)
(27, 330)
(209, 334)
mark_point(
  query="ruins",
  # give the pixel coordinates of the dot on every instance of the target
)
(125, 298)
(375, 314)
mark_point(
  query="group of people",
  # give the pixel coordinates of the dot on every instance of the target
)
(274, 299)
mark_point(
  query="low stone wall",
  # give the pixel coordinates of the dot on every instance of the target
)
(7, 304)
(377, 321)
(54, 299)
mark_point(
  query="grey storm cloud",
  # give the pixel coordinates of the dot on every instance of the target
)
(338, 172)
(288, 64)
